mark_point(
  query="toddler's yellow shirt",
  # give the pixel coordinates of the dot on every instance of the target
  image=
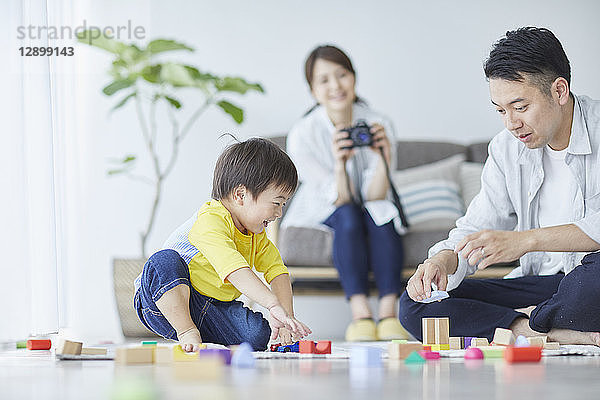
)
(213, 248)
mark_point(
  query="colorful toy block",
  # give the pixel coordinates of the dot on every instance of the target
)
(323, 347)
(307, 347)
(39, 344)
(207, 368)
(439, 347)
(492, 351)
(430, 355)
(402, 341)
(414, 358)
(503, 337)
(537, 341)
(399, 351)
(242, 356)
(163, 354)
(134, 355)
(522, 354)
(456, 343)
(473, 353)
(479, 342)
(69, 347)
(521, 341)
(365, 356)
(426, 347)
(149, 343)
(552, 346)
(93, 351)
(224, 354)
(22, 344)
(467, 341)
(180, 355)
(428, 330)
(442, 331)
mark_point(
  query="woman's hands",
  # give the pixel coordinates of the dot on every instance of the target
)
(381, 141)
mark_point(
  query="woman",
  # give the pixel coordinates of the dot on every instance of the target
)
(344, 189)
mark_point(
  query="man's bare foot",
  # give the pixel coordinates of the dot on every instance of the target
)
(190, 339)
(527, 310)
(520, 326)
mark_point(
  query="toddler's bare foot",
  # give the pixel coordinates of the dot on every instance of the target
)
(190, 339)
(567, 336)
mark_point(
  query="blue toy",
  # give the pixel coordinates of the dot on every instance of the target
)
(289, 348)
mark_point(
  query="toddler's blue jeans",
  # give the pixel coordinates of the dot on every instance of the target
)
(223, 322)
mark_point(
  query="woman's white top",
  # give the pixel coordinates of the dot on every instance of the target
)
(309, 146)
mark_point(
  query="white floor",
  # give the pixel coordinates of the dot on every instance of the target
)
(37, 375)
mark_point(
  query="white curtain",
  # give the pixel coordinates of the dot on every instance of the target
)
(32, 180)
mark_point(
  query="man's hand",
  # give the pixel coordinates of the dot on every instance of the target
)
(433, 270)
(491, 247)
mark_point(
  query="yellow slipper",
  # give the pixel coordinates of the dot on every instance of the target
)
(390, 328)
(361, 330)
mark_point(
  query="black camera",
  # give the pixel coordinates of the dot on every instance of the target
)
(360, 134)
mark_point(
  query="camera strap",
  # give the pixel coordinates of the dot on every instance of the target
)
(395, 195)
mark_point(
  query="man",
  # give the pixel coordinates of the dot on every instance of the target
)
(539, 203)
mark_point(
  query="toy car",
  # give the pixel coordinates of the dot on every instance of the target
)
(289, 348)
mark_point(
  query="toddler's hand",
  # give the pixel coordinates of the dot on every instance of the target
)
(278, 319)
(190, 340)
(285, 336)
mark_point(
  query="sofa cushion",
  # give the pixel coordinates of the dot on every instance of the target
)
(477, 152)
(412, 153)
(305, 246)
(430, 194)
(470, 181)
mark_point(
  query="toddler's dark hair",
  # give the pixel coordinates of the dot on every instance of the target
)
(256, 163)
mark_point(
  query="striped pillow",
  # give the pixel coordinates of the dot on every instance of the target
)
(431, 194)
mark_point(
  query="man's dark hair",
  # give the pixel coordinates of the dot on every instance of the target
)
(256, 164)
(529, 52)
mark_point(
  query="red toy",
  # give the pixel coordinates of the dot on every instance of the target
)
(39, 344)
(522, 354)
(320, 347)
(430, 355)
(323, 347)
(474, 353)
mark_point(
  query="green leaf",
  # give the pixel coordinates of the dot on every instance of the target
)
(236, 113)
(174, 102)
(128, 158)
(199, 76)
(124, 100)
(238, 85)
(116, 171)
(162, 45)
(176, 74)
(117, 85)
(151, 73)
(95, 37)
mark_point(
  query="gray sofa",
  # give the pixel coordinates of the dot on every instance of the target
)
(307, 252)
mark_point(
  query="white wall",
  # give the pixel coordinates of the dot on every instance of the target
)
(418, 62)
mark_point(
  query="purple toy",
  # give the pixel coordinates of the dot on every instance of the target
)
(468, 341)
(225, 354)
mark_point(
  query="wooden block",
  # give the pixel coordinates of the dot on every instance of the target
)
(134, 355)
(180, 355)
(552, 346)
(93, 351)
(306, 347)
(399, 351)
(323, 347)
(223, 354)
(492, 351)
(365, 356)
(428, 330)
(503, 337)
(442, 330)
(537, 341)
(456, 343)
(522, 354)
(69, 347)
(205, 368)
(39, 344)
(479, 342)
(163, 354)
(467, 341)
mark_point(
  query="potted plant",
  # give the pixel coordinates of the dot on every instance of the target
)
(141, 79)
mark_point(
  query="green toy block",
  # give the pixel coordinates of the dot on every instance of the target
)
(414, 358)
(149, 343)
(492, 351)
(22, 344)
(401, 341)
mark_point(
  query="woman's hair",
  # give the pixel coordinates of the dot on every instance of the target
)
(328, 53)
(256, 164)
